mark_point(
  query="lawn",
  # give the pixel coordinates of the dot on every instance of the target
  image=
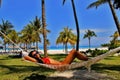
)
(12, 68)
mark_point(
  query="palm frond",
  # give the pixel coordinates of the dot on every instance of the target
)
(64, 2)
(97, 3)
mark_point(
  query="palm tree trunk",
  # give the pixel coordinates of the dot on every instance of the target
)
(77, 25)
(13, 48)
(44, 28)
(114, 16)
(5, 46)
(66, 47)
(0, 2)
(37, 45)
(89, 43)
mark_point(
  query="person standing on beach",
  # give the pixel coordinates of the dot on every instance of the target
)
(34, 56)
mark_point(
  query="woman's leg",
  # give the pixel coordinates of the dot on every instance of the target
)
(69, 58)
(54, 62)
(72, 55)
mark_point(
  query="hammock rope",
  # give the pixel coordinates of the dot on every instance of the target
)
(11, 41)
(94, 60)
(86, 64)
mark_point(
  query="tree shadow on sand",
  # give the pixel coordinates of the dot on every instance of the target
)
(76, 75)
(35, 77)
(43, 77)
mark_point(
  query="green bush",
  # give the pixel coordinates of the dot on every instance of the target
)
(96, 52)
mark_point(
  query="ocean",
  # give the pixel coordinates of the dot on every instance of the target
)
(69, 47)
(57, 47)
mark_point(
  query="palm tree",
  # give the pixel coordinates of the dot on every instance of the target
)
(13, 35)
(77, 24)
(115, 38)
(65, 37)
(37, 30)
(100, 2)
(5, 28)
(44, 28)
(89, 34)
(115, 35)
(114, 42)
(27, 35)
(0, 42)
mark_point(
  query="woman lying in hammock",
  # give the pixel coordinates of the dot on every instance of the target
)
(34, 56)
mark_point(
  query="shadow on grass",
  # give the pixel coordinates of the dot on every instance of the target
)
(43, 77)
(21, 68)
(40, 70)
(110, 58)
(35, 77)
(77, 75)
(15, 56)
(102, 67)
(8, 57)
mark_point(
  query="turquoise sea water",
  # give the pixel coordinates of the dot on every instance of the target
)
(69, 47)
(59, 47)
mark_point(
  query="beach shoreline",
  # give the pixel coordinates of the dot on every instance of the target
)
(57, 51)
(61, 51)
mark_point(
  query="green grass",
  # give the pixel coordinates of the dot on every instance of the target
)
(16, 69)
(110, 66)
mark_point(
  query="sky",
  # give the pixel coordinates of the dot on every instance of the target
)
(100, 20)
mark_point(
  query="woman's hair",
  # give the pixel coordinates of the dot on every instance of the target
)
(30, 54)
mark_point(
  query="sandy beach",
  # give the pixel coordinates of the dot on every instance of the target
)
(56, 51)
(60, 51)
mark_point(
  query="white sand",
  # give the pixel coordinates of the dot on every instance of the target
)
(79, 75)
(60, 51)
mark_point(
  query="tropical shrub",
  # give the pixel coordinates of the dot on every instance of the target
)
(96, 52)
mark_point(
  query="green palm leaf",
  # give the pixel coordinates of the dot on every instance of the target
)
(64, 2)
(97, 3)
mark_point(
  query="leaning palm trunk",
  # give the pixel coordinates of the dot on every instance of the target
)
(77, 25)
(87, 64)
(92, 61)
(114, 16)
(44, 28)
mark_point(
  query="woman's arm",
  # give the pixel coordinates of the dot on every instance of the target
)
(30, 58)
